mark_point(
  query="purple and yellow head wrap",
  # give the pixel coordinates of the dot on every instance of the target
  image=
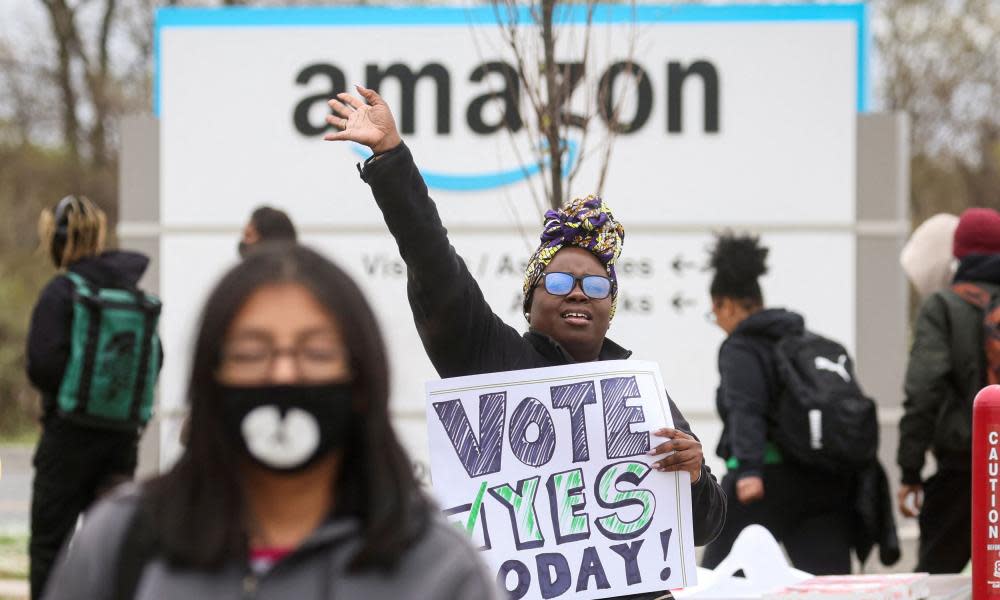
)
(584, 223)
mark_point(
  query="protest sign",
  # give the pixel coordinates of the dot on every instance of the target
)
(548, 472)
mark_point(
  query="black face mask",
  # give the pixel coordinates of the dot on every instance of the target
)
(288, 428)
(243, 248)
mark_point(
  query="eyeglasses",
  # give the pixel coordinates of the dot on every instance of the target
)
(254, 360)
(596, 287)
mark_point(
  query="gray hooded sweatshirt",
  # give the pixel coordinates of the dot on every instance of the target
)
(440, 566)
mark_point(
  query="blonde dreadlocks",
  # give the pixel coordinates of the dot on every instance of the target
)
(76, 228)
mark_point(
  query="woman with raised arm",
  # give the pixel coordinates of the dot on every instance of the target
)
(570, 289)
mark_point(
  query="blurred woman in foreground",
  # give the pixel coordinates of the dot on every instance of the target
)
(293, 484)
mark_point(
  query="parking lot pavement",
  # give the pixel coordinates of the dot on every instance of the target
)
(15, 489)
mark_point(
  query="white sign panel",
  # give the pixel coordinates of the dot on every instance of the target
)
(745, 118)
(738, 118)
(547, 470)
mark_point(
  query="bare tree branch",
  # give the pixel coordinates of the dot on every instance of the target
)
(549, 85)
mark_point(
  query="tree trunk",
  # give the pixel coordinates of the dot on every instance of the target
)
(61, 19)
(552, 105)
(97, 83)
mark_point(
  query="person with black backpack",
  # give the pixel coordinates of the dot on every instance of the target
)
(94, 355)
(789, 445)
(955, 353)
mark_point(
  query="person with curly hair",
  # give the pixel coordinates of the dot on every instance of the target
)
(809, 511)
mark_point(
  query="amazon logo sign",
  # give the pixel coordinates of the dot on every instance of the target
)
(495, 104)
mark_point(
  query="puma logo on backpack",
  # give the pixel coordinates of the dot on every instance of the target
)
(840, 367)
(990, 305)
(114, 357)
(823, 419)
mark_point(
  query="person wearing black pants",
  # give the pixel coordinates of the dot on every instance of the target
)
(946, 494)
(74, 463)
(809, 511)
(73, 467)
(806, 512)
(947, 367)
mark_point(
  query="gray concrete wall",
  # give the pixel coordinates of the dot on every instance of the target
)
(883, 293)
(883, 225)
(139, 202)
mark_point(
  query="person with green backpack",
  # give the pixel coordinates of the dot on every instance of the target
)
(94, 355)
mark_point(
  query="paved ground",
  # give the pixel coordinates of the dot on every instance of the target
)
(15, 513)
(15, 489)
(13, 590)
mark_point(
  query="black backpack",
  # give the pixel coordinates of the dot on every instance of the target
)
(823, 419)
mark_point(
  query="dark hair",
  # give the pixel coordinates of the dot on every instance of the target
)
(197, 509)
(738, 260)
(273, 225)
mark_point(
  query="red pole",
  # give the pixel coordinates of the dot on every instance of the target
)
(986, 494)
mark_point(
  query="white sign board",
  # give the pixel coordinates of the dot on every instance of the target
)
(746, 119)
(763, 111)
(547, 470)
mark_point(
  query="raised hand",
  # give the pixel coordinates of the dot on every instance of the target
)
(371, 124)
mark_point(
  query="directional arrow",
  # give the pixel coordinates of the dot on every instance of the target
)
(679, 264)
(680, 302)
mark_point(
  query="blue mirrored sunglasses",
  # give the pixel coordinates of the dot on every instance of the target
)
(596, 287)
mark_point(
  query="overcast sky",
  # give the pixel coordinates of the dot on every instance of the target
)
(20, 19)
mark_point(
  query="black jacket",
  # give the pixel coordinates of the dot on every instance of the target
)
(460, 332)
(49, 336)
(748, 390)
(874, 520)
(944, 374)
(748, 386)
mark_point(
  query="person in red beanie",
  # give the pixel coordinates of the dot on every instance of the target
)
(947, 367)
(977, 234)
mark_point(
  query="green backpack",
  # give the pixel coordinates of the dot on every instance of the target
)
(114, 357)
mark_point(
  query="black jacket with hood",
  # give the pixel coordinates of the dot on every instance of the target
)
(748, 389)
(49, 336)
(460, 332)
(945, 372)
(748, 384)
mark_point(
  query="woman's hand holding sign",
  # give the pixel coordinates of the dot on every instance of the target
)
(371, 124)
(686, 453)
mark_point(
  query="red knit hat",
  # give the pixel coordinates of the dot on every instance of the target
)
(978, 233)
